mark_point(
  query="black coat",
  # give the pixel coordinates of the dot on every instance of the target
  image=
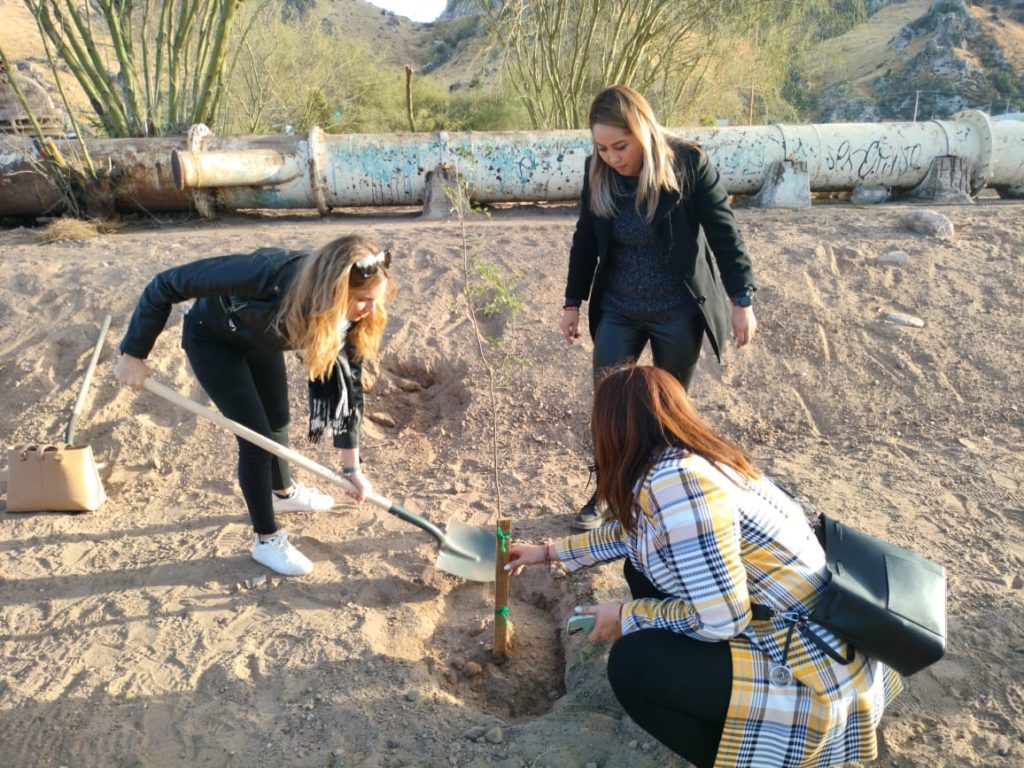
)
(687, 226)
(237, 298)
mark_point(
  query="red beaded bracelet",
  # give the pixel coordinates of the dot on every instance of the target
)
(566, 307)
(547, 553)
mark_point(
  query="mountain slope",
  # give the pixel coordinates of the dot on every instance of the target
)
(943, 56)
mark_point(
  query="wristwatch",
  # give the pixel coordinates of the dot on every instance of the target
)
(744, 300)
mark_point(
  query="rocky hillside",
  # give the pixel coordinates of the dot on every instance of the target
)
(942, 55)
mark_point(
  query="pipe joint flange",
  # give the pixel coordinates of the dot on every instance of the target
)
(981, 171)
(197, 134)
(317, 162)
(202, 199)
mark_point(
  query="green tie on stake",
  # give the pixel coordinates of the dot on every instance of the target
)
(503, 628)
(502, 550)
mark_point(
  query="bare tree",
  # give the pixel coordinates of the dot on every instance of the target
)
(286, 72)
(147, 66)
(558, 53)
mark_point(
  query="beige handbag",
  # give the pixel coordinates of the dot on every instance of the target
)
(60, 478)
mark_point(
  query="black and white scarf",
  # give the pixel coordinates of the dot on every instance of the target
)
(329, 404)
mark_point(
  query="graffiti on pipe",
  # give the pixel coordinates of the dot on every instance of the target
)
(877, 159)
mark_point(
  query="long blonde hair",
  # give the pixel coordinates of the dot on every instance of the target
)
(313, 315)
(619, 106)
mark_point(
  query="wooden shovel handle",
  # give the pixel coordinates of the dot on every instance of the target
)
(271, 446)
(292, 457)
(69, 433)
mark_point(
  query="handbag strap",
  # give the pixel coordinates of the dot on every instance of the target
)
(803, 624)
(40, 451)
(55, 450)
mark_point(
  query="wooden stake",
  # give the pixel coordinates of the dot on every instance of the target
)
(501, 582)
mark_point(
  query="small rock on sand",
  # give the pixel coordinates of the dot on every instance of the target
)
(928, 223)
(902, 318)
(379, 417)
(893, 259)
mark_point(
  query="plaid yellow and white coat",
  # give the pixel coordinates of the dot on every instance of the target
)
(716, 546)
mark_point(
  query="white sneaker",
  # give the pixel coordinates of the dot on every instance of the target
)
(303, 499)
(278, 554)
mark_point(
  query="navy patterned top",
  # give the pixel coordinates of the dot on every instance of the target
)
(641, 282)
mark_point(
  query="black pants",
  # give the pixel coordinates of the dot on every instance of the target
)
(675, 343)
(674, 687)
(675, 346)
(249, 386)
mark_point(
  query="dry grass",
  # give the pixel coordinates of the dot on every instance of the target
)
(21, 41)
(60, 230)
(1008, 33)
(863, 53)
(21, 36)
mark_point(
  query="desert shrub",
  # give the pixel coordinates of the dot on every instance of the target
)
(1004, 83)
(295, 73)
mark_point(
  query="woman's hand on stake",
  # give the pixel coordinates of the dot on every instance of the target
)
(522, 555)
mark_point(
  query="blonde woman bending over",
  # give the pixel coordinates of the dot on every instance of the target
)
(329, 306)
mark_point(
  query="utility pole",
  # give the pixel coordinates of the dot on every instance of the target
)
(750, 107)
(917, 100)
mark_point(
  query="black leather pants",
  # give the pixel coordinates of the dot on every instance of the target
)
(675, 346)
(675, 343)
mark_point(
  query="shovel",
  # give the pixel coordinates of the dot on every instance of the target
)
(463, 551)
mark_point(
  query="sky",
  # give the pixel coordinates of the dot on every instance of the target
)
(417, 10)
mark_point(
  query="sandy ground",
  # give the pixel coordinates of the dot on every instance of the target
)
(130, 638)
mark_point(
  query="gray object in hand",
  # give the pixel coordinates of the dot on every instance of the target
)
(583, 622)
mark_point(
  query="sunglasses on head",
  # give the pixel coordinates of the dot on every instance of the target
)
(368, 265)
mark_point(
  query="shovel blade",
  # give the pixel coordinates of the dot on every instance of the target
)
(468, 552)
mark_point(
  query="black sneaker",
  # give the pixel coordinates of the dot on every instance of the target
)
(588, 517)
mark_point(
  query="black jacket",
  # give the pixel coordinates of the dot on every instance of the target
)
(686, 226)
(237, 298)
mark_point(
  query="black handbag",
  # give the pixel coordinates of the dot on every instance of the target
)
(883, 600)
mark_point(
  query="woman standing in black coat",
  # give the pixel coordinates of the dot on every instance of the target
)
(656, 250)
(329, 306)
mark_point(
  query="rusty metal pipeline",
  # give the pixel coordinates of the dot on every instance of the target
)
(324, 171)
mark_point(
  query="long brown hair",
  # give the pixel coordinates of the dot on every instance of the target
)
(640, 410)
(313, 315)
(620, 106)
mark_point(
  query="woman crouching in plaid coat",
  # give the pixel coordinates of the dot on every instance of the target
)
(704, 537)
